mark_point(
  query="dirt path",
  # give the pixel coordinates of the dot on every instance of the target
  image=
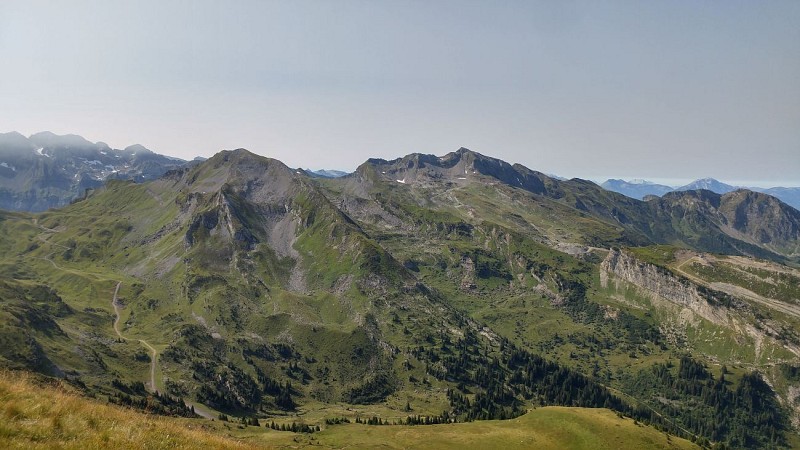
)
(738, 291)
(153, 352)
(198, 409)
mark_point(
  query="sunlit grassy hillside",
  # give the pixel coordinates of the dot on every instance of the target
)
(45, 414)
(38, 414)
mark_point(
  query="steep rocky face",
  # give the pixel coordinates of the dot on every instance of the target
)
(239, 204)
(788, 195)
(47, 170)
(668, 291)
(663, 284)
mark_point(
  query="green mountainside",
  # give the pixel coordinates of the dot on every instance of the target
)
(421, 290)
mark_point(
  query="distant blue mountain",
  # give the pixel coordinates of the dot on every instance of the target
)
(709, 184)
(47, 170)
(788, 195)
(326, 173)
(637, 189)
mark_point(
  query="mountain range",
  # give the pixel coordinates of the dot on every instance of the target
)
(48, 171)
(639, 189)
(420, 290)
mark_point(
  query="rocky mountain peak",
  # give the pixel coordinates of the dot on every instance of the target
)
(708, 183)
(136, 149)
(257, 177)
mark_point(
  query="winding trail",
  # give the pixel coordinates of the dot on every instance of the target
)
(738, 291)
(153, 352)
(199, 410)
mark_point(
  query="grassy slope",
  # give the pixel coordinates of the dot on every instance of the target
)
(44, 415)
(543, 428)
(38, 414)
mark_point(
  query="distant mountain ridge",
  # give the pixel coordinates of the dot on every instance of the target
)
(327, 173)
(699, 219)
(708, 184)
(47, 170)
(639, 189)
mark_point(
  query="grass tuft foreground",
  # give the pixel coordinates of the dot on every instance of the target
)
(40, 413)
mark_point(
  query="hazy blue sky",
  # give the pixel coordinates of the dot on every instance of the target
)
(652, 89)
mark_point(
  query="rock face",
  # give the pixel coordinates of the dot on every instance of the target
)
(665, 285)
(689, 301)
(762, 218)
(48, 171)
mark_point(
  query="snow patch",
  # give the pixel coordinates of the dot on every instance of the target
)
(403, 181)
(93, 162)
(8, 166)
(103, 153)
(40, 152)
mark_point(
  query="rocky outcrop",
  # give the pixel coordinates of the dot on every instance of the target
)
(665, 285)
(690, 301)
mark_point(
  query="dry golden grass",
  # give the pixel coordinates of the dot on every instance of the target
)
(38, 413)
(35, 413)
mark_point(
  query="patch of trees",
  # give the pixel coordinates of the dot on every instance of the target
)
(162, 404)
(503, 382)
(374, 390)
(687, 401)
(230, 389)
(294, 427)
(747, 416)
(629, 327)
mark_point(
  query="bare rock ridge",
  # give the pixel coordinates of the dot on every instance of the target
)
(739, 222)
(239, 203)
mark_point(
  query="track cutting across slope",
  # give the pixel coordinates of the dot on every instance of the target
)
(153, 387)
(153, 353)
